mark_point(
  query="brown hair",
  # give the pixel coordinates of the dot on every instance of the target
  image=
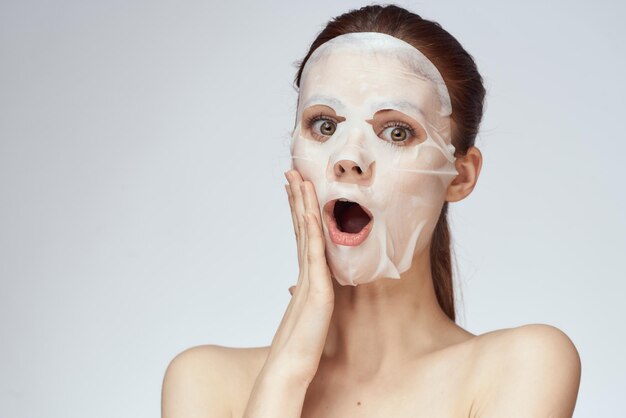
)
(465, 87)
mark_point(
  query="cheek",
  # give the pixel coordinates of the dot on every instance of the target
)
(307, 170)
(423, 176)
(309, 167)
(431, 158)
(414, 209)
(417, 196)
(416, 189)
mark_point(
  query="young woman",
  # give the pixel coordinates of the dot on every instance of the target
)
(388, 110)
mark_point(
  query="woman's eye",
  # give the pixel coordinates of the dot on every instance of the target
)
(397, 134)
(324, 127)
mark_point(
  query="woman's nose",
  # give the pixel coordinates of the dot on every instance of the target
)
(350, 172)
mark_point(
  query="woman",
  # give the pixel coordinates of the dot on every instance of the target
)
(388, 110)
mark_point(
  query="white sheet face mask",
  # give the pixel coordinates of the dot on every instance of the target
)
(373, 127)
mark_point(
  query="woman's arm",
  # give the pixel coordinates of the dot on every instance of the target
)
(276, 394)
(294, 356)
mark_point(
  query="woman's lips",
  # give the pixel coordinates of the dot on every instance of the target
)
(345, 238)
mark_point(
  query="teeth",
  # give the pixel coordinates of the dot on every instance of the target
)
(344, 200)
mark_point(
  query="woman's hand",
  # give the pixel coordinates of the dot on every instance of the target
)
(298, 343)
(280, 387)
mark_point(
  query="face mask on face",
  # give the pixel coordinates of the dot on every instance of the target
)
(373, 136)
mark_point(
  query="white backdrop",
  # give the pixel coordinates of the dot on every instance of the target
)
(142, 212)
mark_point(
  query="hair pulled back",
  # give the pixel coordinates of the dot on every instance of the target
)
(465, 87)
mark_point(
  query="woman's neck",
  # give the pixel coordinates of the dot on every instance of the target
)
(379, 325)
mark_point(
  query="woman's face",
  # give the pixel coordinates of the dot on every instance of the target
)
(371, 131)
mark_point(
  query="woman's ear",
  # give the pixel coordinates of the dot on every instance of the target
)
(468, 167)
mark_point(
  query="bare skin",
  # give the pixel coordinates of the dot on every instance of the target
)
(386, 349)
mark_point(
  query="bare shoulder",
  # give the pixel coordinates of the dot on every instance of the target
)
(547, 338)
(209, 380)
(526, 371)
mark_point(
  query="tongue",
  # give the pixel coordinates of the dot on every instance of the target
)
(352, 218)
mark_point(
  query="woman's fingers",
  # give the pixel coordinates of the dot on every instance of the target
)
(311, 254)
(316, 252)
(309, 197)
(295, 179)
(294, 221)
(319, 274)
(296, 182)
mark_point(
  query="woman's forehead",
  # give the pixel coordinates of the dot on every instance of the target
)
(369, 80)
(373, 58)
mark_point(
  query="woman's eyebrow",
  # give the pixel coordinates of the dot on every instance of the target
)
(400, 105)
(332, 102)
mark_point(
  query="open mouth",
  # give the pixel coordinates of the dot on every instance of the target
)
(348, 222)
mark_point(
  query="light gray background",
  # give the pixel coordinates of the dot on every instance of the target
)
(142, 146)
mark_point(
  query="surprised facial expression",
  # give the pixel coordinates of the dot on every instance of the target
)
(373, 136)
